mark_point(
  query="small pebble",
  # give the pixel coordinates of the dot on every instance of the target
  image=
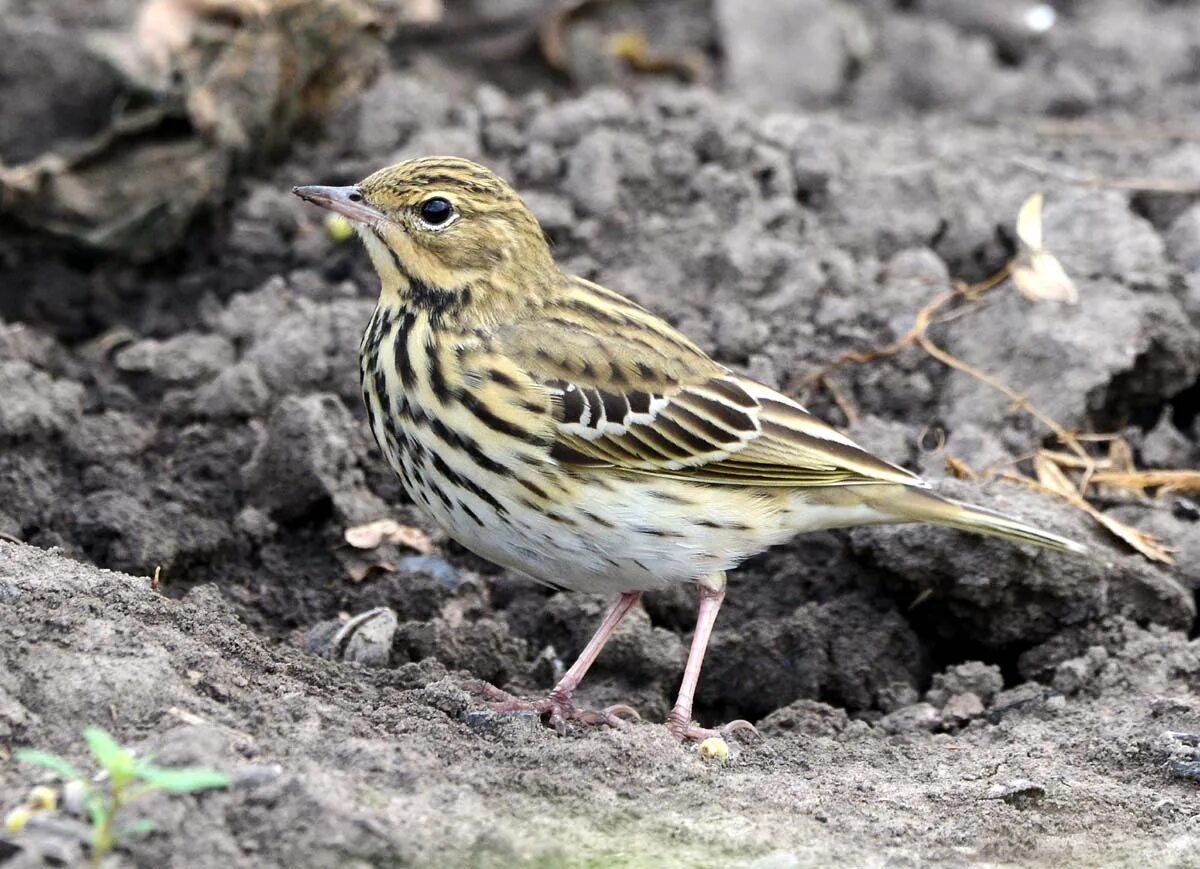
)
(256, 774)
(1019, 793)
(437, 567)
(714, 748)
(491, 723)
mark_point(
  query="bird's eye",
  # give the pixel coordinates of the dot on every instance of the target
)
(436, 211)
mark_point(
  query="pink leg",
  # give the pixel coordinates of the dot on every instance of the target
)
(566, 686)
(679, 722)
(558, 703)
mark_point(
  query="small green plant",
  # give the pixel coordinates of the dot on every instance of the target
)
(128, 778)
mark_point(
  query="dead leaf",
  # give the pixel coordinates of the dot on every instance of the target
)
(381, 531)
(1037, 273)
(1050, 475)
(1120, 456)
(632, 48)
(359, 572)
(1029, 222)
(1167, 480)
(1145, 543)
(959, 469)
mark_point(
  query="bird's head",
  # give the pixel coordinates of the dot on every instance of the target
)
(441, 229)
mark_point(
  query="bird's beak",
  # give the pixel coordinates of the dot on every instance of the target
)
(346, 201)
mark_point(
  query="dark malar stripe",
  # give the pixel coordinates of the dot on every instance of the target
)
(437, 377)
(408, 377)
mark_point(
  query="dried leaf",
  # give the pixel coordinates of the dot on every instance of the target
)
(163, 29)
(1037, 273)
(633, 49)
(359, 572)
(1052, 477)
(1041, 278)
(1072, 461)
(1173, 480)
(959, 469)
(1120, 456)
(1145, 543)
(1029, 222)
(1142, 541)
(381, 531)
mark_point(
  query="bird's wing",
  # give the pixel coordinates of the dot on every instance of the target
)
(648, 400)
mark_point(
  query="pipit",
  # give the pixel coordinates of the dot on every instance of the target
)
(555, 427)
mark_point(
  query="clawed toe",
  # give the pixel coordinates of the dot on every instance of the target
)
(691, 731)
(623, 709)
(609, 716)
(557, 711)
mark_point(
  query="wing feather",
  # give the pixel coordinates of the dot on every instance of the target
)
(644, 399)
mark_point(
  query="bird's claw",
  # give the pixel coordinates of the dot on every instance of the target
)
(689, 730)
(556, 711)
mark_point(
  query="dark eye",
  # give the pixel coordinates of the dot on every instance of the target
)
(436, 211)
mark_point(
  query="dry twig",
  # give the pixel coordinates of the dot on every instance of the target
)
(1117, 469)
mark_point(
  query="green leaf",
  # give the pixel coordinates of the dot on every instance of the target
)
(50, 761)
(118, 761)
(183, 781)
(97, 809)
(140, 827)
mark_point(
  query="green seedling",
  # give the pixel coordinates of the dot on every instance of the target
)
(126, 778)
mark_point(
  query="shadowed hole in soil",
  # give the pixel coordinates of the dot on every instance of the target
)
(1195, 631)
(1186, 407)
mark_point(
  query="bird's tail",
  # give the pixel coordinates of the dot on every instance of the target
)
(917, 505)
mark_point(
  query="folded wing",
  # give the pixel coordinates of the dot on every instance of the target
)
(638, 396)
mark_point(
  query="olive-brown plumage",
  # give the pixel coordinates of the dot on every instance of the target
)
(558, 428)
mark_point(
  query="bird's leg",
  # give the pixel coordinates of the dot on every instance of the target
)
(679, 722)
(557, 703)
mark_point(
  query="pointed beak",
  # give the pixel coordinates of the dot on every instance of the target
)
(346, 201)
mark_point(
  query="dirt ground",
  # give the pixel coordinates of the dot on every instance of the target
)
(178, 391)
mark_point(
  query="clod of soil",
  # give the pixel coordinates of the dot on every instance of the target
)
(923, 695)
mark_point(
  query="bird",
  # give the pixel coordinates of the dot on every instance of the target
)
(557, 428)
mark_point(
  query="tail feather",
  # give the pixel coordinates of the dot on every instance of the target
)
(922, 506)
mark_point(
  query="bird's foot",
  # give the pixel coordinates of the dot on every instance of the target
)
(556, 709)
(680, 727)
